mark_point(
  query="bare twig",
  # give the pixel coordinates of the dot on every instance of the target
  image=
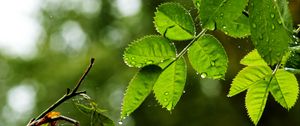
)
(69, 94)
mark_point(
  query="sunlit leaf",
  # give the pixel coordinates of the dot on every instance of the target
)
(149, 50)
(208, 57)
(225, 15)
(170, 84)
(256, 99)
(285, 88)
(139, 88)
(174, 22)
(249, 76)
(270, 28)
(253, 59)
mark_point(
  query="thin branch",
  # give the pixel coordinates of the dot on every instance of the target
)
(185, 49)
(69, 94)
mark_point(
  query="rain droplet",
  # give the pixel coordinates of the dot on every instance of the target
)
(272, 15)
(133, 63)
(198, 3)
(273, 26)
(279, 22)
(149, 62)
(254, 25)
(224, 27)
(212, 63)
(203, 75)
(221, 15)
(165, 99)
(120, 122)
(239, 47)
(166, 93)
(132, 58)
(183, 92)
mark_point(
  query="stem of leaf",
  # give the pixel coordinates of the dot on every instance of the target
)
(69, 94)
(185, 49)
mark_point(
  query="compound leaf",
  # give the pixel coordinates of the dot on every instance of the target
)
(256, 99)
(150, 50)
(208, 57)
(225, 15)
(284, 88)
(139, 88)
(174, 22)
(270, 28)
(247, 77)
(253, 59)
(170, 84)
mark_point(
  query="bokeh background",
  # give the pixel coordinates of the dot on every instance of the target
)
(45, 45)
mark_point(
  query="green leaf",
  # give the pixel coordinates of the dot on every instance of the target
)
(139, 88)
(249, 76)
(170, 84)
(253, 59)
(270, 28)
(285, 88)
(225, 15)
(208, 57)
(174, 22)
(256, 99)
(150, 50)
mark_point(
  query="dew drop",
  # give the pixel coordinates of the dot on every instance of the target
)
(224, 27)
(279, 22)
(212, 63)
(183, 92)
(273, 26)
(120, 122)
(132, 58)
(221, 15)
(133, 63)
(166, 93)
(203, 75)
(165, 99)
(272, 15)
(239, 47)
(198, 3)
(149, 62)
(254, 25)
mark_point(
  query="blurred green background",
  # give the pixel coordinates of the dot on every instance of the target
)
(46, 45)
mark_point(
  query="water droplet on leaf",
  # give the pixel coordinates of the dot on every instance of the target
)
(166, 93)
(165, 99)
(120, 122)
(149, 62)
(212, 63)
(203, 75)
(272, 15)
(273, 26)
(254, 25)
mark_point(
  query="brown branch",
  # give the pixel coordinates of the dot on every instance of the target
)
(69, 94)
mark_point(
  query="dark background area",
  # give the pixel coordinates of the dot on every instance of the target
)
(73, 33)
